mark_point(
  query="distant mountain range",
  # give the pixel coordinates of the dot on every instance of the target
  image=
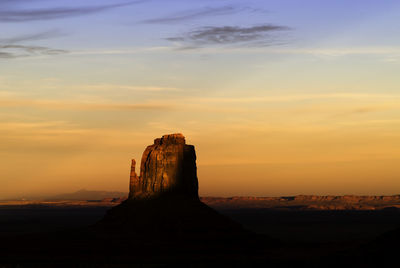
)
(88, 195)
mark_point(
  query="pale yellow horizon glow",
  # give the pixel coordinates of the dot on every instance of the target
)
(266, 145)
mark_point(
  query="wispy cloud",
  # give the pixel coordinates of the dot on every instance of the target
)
(6, 55)
(198, 14)
(8, 13)
(71, 105)
(113, 87)
(14, 11)
(301, 97)
(32, 125)
(10, 47)
(392, 54)
(32, 37)
(259, 35)
(21, 51)
(331, 52)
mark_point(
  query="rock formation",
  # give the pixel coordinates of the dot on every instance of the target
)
(164, 199)
(168, 167)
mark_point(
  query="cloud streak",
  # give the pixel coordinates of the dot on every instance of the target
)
(32, 37)
(259, 35)
(10, 11)
(10, 47)
(24, 51)
(69, 105)
(6, 55)
(113, 87)
(302, 97)
(196, 14)
(16, 15)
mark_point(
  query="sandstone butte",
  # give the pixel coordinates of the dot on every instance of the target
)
(164, 199)
(168, 167)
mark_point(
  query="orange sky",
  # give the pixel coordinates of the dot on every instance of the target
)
(240, 162)
(288, 101)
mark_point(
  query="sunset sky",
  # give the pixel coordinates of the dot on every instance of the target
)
(280, 97)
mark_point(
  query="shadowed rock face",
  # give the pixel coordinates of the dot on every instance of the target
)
(168, 167)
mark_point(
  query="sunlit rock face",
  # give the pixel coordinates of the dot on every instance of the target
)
(168, 167)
